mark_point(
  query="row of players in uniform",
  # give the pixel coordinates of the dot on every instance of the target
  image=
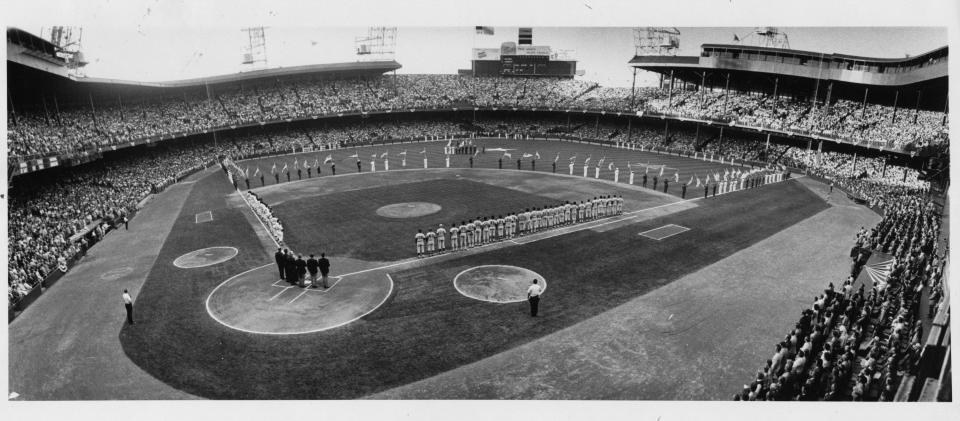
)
(488, 230)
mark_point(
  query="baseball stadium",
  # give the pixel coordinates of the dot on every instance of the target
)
(756, 222)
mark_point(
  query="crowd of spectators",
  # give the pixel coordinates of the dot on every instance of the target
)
(52, 219)
(869, 178)
(44, 218)
(857, 342)
(38, 131)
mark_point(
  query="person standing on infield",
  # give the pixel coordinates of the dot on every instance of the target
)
(281, 261)
(128, 303)
(301, 271)
(533, 296)
(324, 265)
(312, 265)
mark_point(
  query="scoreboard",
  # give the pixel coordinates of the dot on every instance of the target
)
(535, 65)
(524, 65)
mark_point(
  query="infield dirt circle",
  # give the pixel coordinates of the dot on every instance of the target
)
(497, 283)
(205, 257)
(408, 210)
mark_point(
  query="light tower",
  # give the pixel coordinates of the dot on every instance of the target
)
(656, 41)
(255, 47)
(67, 40)
(380, 43)
(767, 36)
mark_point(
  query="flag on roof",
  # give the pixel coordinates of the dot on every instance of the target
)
(557, 158)
(328, 159)
(404, 152)
(257, 171)
(274, 168)
(507, 155)
(537, 155)
(526, 155)
(661, 170)
(383, 155)
(284, 167)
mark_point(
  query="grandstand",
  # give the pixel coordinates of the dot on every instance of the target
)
(745, 176)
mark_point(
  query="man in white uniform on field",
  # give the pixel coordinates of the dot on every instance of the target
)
(420, 240)
(464, 234)
(431, 240)
(454, 239)
(441, 239)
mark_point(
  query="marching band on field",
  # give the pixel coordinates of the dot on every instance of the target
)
(493, 229)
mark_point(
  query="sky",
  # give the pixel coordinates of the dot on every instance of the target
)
(147, 52)
(153, 40)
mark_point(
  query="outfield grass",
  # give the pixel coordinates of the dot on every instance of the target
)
(346, 224)
(426, 327)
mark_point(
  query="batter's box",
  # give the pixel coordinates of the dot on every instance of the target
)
(664, 232)
(204, 217)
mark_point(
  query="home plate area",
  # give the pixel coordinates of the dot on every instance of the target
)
(256, 301)
(664, 232)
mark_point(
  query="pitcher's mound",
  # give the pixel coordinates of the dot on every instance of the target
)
(408, 210)
(497, 283)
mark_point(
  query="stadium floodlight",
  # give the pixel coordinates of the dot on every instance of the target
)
(766, 36)
(255, 48)
(67, 41)
(656, 41)
(380, 43)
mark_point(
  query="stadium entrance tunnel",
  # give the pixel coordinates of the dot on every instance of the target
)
(497, 283)
(257, 301)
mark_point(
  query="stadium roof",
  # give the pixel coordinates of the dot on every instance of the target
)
(920, 81)
(369, 67)
(27, 84)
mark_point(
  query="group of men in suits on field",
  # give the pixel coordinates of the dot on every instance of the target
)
(295, 270)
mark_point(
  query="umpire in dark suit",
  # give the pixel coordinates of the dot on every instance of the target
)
(324, 265)
(312, 265)
(290, 267)
(281, 261)
(301, 270)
